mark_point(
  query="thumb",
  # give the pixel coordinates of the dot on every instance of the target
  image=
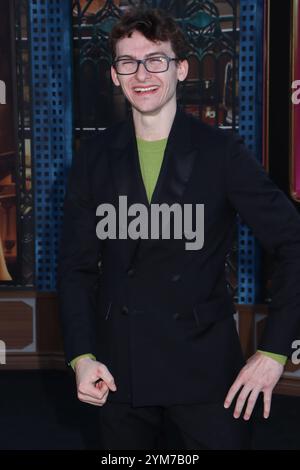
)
(108, 378)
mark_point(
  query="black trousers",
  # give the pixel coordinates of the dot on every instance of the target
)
(192, 427)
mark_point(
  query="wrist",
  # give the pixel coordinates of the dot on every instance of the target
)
(78, 359)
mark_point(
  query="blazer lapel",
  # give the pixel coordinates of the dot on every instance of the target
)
(127, 178)
(177, 164)
(176, 168)
(125, 164)
(173, 177)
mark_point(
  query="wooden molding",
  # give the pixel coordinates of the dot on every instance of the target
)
(49, 348)
(33, 361)
(288, 387)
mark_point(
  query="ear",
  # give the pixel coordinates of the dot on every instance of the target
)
(114, 76)
(182, 70)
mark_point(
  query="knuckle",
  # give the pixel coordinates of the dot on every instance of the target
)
(81, 390)
(242, 398)
(243, 374)
(102, 367)
(256, 385)
(240, 403)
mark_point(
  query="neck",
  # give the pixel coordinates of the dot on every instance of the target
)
(155, 126)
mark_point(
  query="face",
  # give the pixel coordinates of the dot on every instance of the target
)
(148, 92)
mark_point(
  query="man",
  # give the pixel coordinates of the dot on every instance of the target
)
(148, 322)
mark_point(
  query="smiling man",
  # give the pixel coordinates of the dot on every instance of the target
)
(151, 89)
(148, 324)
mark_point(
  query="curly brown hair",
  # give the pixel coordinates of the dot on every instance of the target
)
(155, 25)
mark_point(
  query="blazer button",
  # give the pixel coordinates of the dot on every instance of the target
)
(124, 310)
(130, 272)
(176, 316)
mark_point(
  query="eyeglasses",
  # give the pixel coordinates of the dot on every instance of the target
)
(155, 64)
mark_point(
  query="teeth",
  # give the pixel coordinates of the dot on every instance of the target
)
(146, 89)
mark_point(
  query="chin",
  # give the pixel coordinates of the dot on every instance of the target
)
(146, 109)
(148, 112)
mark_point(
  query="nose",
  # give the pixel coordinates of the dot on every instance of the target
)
(142, 73)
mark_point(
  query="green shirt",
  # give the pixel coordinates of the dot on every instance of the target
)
(151, 154)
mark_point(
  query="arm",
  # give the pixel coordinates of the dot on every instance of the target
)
(78, 278)
(276, 224)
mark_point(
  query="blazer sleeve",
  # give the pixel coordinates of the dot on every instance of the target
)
(78, 261)
(276, 223)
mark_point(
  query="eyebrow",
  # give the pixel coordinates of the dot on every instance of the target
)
(127, 56)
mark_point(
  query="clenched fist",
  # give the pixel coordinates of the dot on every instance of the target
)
(94, 381)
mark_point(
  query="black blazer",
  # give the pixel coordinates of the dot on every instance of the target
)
(161, 317)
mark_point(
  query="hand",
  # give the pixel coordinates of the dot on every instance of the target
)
(89, 388)
(260, 374)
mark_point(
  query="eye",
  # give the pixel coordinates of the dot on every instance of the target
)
(156, 60)
(127, 62)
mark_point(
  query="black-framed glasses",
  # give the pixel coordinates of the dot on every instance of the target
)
(154, 64)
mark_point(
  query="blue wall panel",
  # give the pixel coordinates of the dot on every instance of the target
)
(51, 58)
(251, 125)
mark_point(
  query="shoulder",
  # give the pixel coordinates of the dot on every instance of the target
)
(102, 137)
(211, 141)
(204, 134)
(96, 147)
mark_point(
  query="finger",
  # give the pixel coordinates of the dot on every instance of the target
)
(102, 387)
(101, 384)
(241, 401)
(235, 387)
(267, 403)
(251, 403)
(107, 377)
(93, 401)
(92, 392)
(103, 390)
(105, 396)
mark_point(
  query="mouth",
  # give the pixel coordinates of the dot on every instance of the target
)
(143, 91)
